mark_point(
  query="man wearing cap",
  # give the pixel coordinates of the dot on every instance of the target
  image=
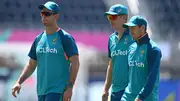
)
(55, 54)
(144, 62)
(119, 42)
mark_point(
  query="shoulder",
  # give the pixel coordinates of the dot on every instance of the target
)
(38, 37)
(153, 48)
(128, 36)
(112, 35)
(65, 35)
(132, 48)
(133, 45)
(129, 39)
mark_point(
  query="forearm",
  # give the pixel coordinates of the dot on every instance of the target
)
(108, 79)
(74, 71)
(27, 71)
(147, 89)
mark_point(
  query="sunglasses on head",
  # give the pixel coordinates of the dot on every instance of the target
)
(47, 13)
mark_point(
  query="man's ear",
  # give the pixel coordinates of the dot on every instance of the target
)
(142, 28)
(57, 16)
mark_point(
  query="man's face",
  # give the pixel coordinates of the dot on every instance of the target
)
(48, 17)
(116, 21)
(135, 32)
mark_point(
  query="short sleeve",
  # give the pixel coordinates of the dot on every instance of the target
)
(69, 45)
(109, 50)
(32, 52)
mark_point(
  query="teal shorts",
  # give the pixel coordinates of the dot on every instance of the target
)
(50, 97)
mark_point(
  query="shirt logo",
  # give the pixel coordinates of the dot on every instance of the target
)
(119, 52)
(142, 53)
(136, 63)
(126, 41)
(54, 41)
(48, 50)
(119, 11)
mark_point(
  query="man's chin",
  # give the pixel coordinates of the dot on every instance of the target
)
(113, 27)
(45, 24)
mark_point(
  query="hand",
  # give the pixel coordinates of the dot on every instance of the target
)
(16, 88)
(105, 95)
(137, 99)
(67, 94)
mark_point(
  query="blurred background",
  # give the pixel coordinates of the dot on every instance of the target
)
(84, 19)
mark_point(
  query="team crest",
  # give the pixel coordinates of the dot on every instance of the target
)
(119, 10)
(54, 40)
(126, 41)
(142, 52)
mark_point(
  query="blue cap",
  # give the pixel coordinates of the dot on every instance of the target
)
(52, 6)
(136, 21)
(117, 9)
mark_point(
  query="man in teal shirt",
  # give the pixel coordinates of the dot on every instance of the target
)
(144, 58)
(119, 42)
(55, 54)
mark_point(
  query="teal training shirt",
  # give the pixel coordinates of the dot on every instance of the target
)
(117, 51)
(51, 51)
(144, 62)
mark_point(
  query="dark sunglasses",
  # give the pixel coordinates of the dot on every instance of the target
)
(47, 13)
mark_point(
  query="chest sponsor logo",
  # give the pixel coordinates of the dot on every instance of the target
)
(48, 50)
(136, 63)
(118, 52)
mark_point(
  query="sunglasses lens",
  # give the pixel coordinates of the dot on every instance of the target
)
(108, 17)
(111, 17)
(46, 13)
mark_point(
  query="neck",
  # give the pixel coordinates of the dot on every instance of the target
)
(142, 35)
(51, 29)
(120, 33)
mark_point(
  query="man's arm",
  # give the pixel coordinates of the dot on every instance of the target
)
(71, 51)
(153, 62)
(74, 68)
(27, 71)
(107, 84)
(30, 66)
